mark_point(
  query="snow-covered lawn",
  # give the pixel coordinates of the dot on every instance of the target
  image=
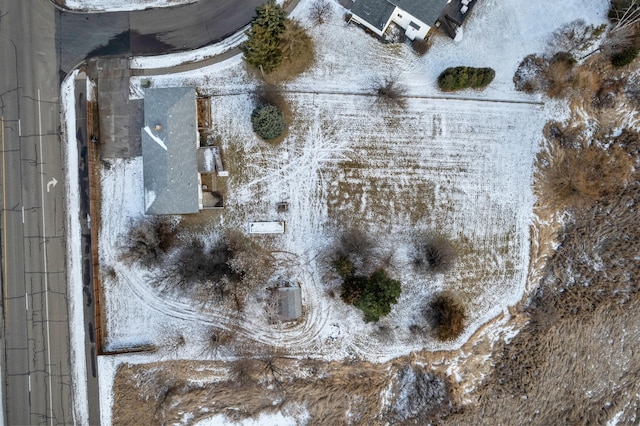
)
(459, 164)
(120, 5)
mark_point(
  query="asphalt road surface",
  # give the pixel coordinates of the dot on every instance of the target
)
(37, 381)
(155, 31)
(39, 45)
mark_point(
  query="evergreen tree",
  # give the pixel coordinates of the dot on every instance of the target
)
(262, 48)
(268, 122)
(373, 295)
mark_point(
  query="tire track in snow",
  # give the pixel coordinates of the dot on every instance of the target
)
(298, 337)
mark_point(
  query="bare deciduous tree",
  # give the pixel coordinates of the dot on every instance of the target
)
(149, 240)
(320, 11)
(626, 26)
(389, 93)
(574, 37)
(214, 339)
(434, 253)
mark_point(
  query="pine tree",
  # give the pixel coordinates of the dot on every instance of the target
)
(262, 48)
(373, 295)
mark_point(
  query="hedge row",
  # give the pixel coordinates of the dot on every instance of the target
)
(457, 78)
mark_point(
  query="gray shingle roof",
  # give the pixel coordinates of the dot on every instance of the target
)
(169, 143)
(378, 12)
(428, 11)
(375, 12)
(290, 303)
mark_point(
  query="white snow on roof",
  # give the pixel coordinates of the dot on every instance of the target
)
(208, 159)
(266, 227)
(155, 138)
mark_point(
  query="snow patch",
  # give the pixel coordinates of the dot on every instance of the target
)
(120, 5)
(74, 243)
(155, 138)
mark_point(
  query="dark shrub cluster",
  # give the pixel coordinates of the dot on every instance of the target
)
(268, 122)
(457, 78)
(434, 254)
(446, 315)
(624, 57)
(149, 240)
(420, 46)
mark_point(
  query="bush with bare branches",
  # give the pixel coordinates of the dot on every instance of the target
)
(354, 241)
(320, 11)
(389, 93)
(196, 264)
(565, 136)
(149, 240)
(353, 251)
(579, 177)
(434, 253)
(420, 46)
(215, 338)
(574, 37)
(556, 76)
(447, 315)
(231, 269)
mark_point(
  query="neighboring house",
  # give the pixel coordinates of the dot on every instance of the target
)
(172, 159)
(416, 17)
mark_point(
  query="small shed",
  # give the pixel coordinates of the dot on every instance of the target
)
(289, 303)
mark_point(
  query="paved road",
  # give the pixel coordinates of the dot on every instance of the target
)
(36, 331)
(156, 31)
(39, 45)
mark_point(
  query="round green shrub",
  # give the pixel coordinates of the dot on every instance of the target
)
(268, 122)
(457, 78)
(625, 57)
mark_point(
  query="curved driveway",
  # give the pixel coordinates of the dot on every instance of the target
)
(147, 32)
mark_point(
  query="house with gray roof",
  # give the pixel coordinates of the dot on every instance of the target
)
(169, 146)
(416, 17)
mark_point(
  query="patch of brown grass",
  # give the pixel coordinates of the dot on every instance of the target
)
(572, 177)
(559, 75)
(580, 371)
(332, 393)
(575, 362)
